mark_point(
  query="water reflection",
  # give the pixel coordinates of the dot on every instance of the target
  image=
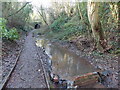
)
(64, 63)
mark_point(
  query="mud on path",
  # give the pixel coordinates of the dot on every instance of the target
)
(28, 72)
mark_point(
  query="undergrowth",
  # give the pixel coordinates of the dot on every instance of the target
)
(63, 28)
(6, 33)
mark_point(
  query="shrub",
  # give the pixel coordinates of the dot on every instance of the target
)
(58, 23)
(13, 34)
(10, 34)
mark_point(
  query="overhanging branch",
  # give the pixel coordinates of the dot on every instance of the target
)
(18, 10)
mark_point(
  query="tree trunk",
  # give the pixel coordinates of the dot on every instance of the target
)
(115, 9)
(98, 34)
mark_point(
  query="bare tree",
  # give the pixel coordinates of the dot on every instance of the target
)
(42, 13)
(98, 34)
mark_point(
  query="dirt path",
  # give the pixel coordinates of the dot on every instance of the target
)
(28, 72)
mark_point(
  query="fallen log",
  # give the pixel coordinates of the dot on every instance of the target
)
(87, 79)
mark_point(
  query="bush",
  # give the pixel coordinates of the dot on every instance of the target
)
(66, 27)
(69, 25)
(13, 34)
(58, 23)
(10, 34)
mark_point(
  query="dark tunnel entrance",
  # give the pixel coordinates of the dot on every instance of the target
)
(37, 26)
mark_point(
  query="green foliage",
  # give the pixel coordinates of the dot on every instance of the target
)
(11, 34)
(20, 19)
(59, 22)
(2, 22)
(68, 25)
(64, 27)
(73, 22)
(117, 51)
(3, 30)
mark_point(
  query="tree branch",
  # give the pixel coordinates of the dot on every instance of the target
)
(42, 17)
(18, 10)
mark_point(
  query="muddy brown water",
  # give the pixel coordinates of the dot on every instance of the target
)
(66, 64)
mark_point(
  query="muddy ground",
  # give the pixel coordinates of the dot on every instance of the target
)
(10, 51)
(105, 62)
